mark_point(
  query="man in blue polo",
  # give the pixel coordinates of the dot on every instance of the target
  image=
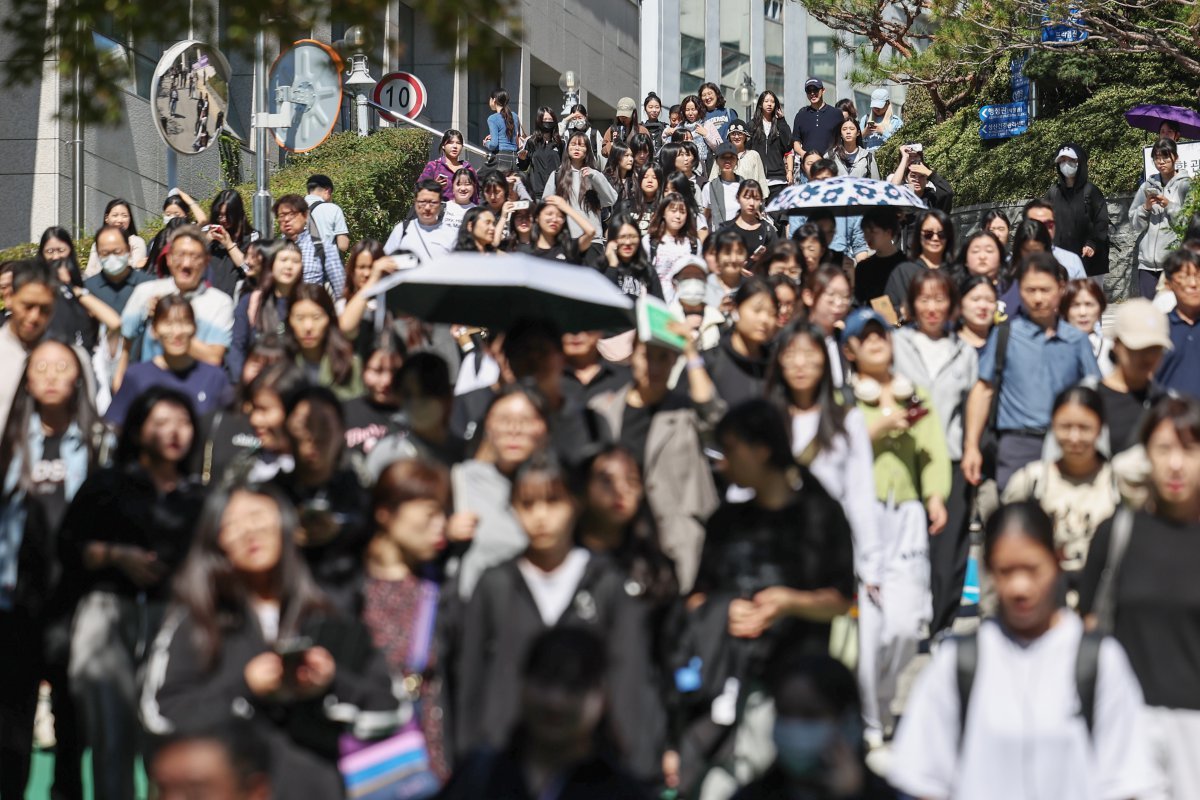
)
(1042, 356)
(1180, 370)
(816, 125)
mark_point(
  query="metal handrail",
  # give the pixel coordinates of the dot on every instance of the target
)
(409, 121)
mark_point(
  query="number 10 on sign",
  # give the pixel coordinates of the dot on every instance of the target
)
(402, 94)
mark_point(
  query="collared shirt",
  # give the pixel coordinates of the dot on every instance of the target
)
(816, 129)
(1037, 367)
(330, 272)
(116, 295)
(1180, 370)
(212, 307)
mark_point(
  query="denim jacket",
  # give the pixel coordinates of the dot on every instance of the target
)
(13, 513)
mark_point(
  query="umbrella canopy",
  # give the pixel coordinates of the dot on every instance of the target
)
(496, 291)
(844, 196)
(1151, 117)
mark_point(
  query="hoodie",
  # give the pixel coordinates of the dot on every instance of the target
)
(1158, 237)
(1080, 215)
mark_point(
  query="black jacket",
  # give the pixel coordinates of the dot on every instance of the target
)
(181, 693)
(500, 623)
(773, 148)
(1081, 215)
(736, 377)
(541, 160)
(120, 505)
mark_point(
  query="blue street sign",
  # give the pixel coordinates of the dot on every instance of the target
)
(1004, 112)
(1003, 121)
(1071, 30)
(1003, 129)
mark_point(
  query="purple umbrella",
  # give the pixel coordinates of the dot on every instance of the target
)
(1151, 117)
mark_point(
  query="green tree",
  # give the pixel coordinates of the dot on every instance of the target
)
(63, 31)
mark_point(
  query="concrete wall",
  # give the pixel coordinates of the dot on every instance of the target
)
(1123, 241)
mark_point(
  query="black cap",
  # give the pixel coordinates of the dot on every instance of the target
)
(726, 149)
(814, 83)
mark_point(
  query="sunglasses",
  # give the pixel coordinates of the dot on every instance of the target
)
(931, 235)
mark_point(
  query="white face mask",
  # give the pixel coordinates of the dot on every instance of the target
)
(167, 219)
(115, 264)
(691, 291)
(1068, 169)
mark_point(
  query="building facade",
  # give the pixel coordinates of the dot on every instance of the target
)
(597, 39)
(763, 44)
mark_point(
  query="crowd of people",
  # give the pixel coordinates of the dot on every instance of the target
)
(255, 526)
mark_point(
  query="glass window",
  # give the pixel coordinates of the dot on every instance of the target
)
(822, 56)
(691, 46)
(735, 44)
(773, 47)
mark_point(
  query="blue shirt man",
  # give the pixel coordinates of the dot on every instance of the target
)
(1180, 370)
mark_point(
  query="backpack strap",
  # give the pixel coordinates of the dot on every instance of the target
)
(1002, 333)
(1087, 671)
(1104, 603)
(966, 663)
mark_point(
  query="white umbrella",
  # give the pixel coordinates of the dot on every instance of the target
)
(844, 196)
(494, 291)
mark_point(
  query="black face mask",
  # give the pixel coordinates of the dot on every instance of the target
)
(548, 126)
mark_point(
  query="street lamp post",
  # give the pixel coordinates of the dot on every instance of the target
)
(568, 82)
(746, 94)
(359, 81)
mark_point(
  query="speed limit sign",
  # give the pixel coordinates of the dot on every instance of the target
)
(402, 94)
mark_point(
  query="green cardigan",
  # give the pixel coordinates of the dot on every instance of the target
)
(913, 465)
(352, 388)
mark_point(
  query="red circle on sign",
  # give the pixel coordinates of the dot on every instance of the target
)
(405, 79)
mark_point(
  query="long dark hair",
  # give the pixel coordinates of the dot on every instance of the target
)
(915, 245)
(339, 351)
(16, 431)
(117, 201)
(374, 248)
(564, 239)
(1031, 230)
(636, 201)
(501, 99)
(235, 211)
(541, 138)
(612, 171)
(267, 320)
(640, 552)
(618, 221)
(832, 420)
(63, 235)
(466, 231)
(588, 198)
(216, 599)
(658, 223)
(129, 443)
(670, 151)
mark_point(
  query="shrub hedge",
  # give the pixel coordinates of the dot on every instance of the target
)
(1020, 167)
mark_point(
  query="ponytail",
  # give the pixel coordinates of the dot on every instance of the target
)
(501, 98)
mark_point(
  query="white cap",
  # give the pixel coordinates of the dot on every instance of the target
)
(688, 261)
(879, 97)
(1066, 152)
(1138, 325)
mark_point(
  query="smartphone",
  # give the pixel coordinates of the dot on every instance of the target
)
(291, 651)
(916, 412)
(520, 205)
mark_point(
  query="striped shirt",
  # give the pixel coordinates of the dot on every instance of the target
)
(331, 272)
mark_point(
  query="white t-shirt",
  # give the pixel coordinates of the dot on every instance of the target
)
(1024, 735)
(553, 591)
(934, 353)
(452, 219)
(424, 241)
(329, 219)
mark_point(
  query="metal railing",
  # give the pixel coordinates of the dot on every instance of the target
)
(416, 124)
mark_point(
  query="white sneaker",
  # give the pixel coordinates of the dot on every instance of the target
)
(43, 720)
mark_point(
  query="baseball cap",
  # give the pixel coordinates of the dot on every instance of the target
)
(688, 261)
(879, 97)
(726, 149)
(814, 83)
(1138, 325)
(737, 126)
(626, 107)
(1067, 152)
(857, 322)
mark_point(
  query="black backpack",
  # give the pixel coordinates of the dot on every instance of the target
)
(1087, 664)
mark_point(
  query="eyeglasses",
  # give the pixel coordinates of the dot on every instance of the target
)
(428, 202)
(929, 236)
(284, 216)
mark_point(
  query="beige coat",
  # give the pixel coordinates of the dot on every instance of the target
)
(679, 484)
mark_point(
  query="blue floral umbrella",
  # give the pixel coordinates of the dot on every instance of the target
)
(844, 197)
